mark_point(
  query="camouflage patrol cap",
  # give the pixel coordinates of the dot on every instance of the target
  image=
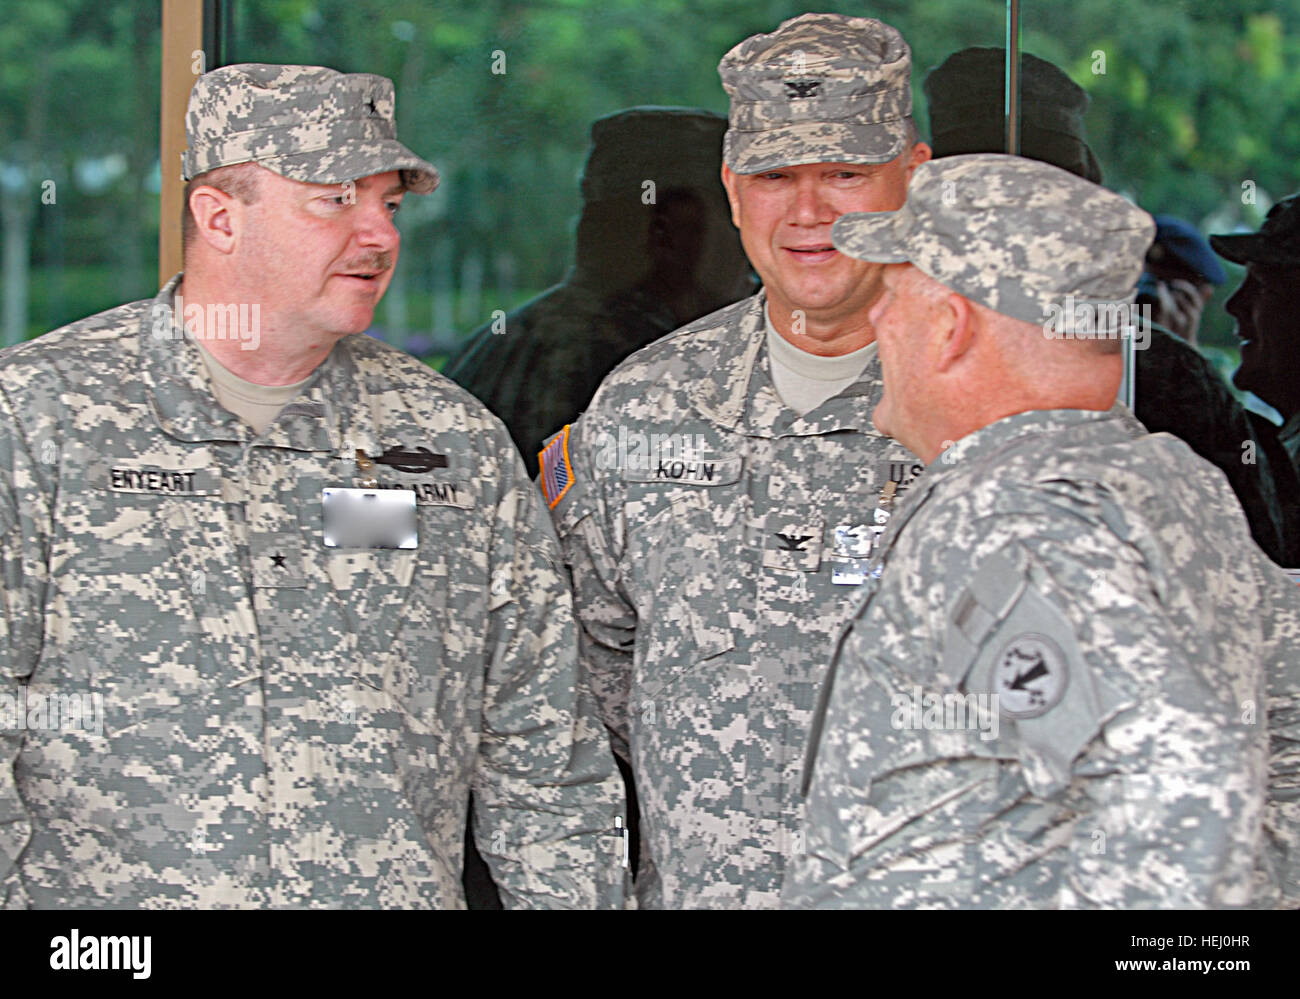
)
(1014, 234)
(306, 123)
(822, 88)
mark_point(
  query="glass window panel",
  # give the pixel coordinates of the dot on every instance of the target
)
(79, 178)
(1191, 116)
(510, 144)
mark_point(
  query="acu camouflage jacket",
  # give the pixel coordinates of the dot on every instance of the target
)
(284, 724)
(706, 525)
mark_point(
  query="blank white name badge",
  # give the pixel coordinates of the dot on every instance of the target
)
(369, 518)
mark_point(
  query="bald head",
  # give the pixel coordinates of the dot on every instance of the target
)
(952, 365)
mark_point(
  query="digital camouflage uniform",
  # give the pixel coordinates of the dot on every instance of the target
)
(702, 570)
(1074, 680)
(1141, 785)
(284, 724)
(716, 538)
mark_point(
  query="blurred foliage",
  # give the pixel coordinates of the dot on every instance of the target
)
(1190, 110)
(79, 107)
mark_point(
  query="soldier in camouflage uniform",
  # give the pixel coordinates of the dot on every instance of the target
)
(1073, 675)
(295, 703)
(1177, 389)
(715, 500)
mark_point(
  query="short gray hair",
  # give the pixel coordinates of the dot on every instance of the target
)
(240, 180)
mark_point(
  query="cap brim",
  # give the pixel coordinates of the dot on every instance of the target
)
(871, 236)
(813, 142)
(355, 160)
(1252, 248)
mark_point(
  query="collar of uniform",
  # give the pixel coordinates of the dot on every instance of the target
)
(720, 381)
(767, 416)
(316, 421)
(1010, 430)
(851, 409)
(176, 381)
(180, 390)
(727, 382)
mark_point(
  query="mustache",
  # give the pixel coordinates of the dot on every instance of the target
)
(377, 262)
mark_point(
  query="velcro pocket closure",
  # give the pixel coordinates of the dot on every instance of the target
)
(689, 623)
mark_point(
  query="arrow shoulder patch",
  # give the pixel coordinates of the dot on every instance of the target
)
(1029, 675)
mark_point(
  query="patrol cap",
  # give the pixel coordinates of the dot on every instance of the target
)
(822, 88)
(674, 147)
(1013, 234)
(1178, 245)
(1277, 242)
(306, 123)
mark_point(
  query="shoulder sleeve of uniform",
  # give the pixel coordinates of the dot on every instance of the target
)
(1073, 628)
(566, 473)
(555, 467)
(546, 791)
(1008, 641)
(1282, 812)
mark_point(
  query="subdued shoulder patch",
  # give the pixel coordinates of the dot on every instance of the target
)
(1029, 675)
(1008, 640)
(556, 473)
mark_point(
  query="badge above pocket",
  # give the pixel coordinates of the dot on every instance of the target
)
(903, 472)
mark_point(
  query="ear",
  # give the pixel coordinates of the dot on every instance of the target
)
(216, 216)
(729, 182)
(920, 154)
(959, 336)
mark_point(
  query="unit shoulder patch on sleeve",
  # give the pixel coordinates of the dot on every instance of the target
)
(1009, 641)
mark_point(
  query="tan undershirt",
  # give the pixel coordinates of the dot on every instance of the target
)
(803, 380)
(257, 405)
